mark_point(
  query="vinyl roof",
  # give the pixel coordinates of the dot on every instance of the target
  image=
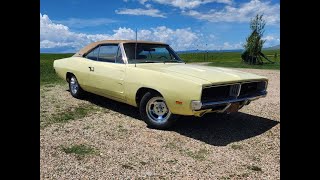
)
(90, 46)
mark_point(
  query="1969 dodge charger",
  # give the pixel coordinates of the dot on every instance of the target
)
(152, 77)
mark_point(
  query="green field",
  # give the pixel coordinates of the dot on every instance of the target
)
(230, 59)
(47, 74)
(223, 59)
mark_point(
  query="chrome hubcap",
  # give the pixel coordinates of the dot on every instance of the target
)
(157, 110)
(74, 86)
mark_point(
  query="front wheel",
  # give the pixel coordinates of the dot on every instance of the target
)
(154, 111)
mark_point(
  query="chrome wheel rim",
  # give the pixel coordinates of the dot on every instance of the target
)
(74, 86)
(157, 110)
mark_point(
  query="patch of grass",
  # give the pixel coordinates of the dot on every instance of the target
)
(143, 163)
(198, 155)
(254, 168)
(254, 158)
(122, 129)
(173, 161)
(72, 114)
(230, 59)
(49, 86)
(236, 146)
(127, 166)
(47, 73)
(79, 150)
(78, 112)
(171, 145)
(244, 175)
(239, 64)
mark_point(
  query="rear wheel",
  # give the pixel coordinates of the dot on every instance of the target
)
(154, 111)
(74, 87)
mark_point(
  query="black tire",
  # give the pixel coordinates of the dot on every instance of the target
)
(75, 92)
(152, 123)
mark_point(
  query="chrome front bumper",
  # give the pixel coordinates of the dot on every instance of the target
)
(245, 100)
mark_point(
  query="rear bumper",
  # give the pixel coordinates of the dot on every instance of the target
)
(209, 105)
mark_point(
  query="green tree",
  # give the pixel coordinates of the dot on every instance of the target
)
(254, 42)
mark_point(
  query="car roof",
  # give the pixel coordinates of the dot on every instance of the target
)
(92, 45)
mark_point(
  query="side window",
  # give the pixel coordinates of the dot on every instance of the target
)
(93, 55)
(108, 53)
(119, 57)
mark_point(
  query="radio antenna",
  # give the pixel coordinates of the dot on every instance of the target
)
(135, 50)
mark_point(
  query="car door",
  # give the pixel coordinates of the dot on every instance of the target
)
(108, 72)
(86, 68)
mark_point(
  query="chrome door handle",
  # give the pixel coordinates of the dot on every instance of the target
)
(91, 68)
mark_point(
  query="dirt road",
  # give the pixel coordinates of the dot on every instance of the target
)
(243, 145)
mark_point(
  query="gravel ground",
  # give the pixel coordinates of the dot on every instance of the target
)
(243, 145)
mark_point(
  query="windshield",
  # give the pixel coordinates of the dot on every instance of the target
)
(150, 53)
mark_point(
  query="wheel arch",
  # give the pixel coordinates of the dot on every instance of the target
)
(142, 91)
(68, 76)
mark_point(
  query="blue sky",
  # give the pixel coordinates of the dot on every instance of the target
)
(68, 25)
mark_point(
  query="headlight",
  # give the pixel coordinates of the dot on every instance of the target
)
(196, 105)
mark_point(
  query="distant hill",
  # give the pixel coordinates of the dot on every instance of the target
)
(273, 47)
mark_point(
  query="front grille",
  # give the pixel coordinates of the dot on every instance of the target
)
(215, 93)
(251, 88)
(234, 90)
(226, 92)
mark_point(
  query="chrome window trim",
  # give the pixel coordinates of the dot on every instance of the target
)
(125, 58)
(123, 52)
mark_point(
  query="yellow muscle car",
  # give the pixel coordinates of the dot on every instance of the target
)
(152, 77)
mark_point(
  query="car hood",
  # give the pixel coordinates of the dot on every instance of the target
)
(210, 74)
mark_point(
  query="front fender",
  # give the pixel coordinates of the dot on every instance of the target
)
(172, 88)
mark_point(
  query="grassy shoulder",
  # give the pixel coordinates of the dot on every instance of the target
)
(275, 66)
(231, 59)
(67, 115)
(47, 74)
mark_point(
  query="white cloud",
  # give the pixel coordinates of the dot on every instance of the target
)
(80, 23)
(143, 1)
(212, 36)
(53, 35)
(227, 45)
(139, 12)
(271, 40)
(187, 4)
(148, 5)
(243, 13)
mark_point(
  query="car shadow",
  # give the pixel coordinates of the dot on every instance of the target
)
(223, 129)
(110, 104)
(214, 129)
